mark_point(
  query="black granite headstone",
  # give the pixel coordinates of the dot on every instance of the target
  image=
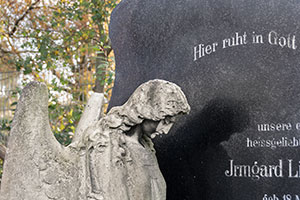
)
(238, 62)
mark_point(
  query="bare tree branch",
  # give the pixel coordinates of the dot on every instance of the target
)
(2, 151)
(3, 51)
(22, 17)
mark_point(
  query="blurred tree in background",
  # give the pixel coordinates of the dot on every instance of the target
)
(63, 43)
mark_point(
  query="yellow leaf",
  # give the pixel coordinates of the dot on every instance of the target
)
(62, 126)
(85, 36)
(71, 112)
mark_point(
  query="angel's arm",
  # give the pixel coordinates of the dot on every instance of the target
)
(98, 166)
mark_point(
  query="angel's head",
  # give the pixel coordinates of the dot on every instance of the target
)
(154, 106)
(155, 102)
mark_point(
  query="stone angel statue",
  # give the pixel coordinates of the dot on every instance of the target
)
(111, 158)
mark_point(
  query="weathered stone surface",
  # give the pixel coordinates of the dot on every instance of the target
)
(232, 90)
(36, 165)
(111, 159)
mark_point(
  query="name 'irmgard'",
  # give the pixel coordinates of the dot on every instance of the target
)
(257, 171)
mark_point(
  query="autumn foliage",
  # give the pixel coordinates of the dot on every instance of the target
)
(63, 43)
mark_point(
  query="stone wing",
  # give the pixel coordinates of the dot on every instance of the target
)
(36, 165)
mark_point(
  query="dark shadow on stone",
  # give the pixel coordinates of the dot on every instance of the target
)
(195, 160)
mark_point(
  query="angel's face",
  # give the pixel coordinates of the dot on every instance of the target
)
(165, 125)
(153, 128)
